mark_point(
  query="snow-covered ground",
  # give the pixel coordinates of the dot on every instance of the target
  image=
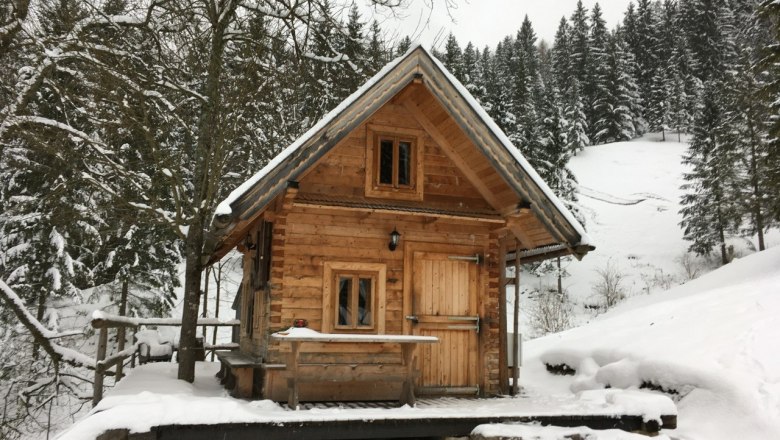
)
(712, 343)
(151, 396)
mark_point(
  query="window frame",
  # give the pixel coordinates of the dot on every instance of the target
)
(354, 295)
(332, 270)
(375, 134)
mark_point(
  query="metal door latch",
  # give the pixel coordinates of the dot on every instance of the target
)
(412, 318)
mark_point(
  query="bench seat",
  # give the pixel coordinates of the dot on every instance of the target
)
(237, 372)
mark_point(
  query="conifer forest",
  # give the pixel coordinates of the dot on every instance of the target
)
(123, 123)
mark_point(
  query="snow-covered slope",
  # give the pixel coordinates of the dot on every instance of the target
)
(629, 194)
(714, 341)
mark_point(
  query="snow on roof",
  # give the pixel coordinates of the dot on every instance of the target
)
(224, 207)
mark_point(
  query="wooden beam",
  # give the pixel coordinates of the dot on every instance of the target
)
(453, 155)
(515, 225)
(516, 329)
(503, 370)
(482, 219)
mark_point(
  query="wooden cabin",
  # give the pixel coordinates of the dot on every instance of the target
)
(392, 216)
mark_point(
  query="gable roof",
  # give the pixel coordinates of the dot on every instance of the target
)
(250, 198)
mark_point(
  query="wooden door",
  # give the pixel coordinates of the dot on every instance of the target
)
(444, 304)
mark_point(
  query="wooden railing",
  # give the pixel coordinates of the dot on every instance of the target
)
(103, 322)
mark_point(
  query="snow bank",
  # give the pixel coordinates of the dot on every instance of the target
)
(711, 343)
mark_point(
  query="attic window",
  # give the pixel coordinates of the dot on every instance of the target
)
(393, 163)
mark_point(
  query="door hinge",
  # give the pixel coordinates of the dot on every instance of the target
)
(476, 258)
(474, 327)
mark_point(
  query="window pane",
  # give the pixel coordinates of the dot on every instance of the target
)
(364, 302)
(404, 163)
(386, 162)
(345, 314)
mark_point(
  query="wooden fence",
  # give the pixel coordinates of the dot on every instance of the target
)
(103, 322)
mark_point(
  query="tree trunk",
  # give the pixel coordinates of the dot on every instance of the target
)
(206, 178)
(120, 332)
(193, 269)
(39, 316)
(758, 217)
(560, 282)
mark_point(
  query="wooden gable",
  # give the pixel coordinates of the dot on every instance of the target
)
(469, 167)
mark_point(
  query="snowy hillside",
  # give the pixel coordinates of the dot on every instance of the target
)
(629, 195)
(712, 343)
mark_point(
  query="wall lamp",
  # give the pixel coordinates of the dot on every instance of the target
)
(395, 236)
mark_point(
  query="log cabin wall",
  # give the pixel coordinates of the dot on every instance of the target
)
(307, 234)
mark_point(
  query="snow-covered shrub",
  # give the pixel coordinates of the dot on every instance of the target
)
(691, 267)
(550, 313)
(609, 286)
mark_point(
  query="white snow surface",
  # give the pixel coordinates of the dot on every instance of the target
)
(712, 342)
(537, 432)
(151, 396)
(224, 207)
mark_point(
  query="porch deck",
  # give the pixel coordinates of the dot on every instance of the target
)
(151, 404)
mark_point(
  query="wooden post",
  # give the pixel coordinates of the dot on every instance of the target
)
(216, 308)
(121, 332)
(97, 394)
(516, 325)
(407, 394)
(503, 357)
(206, 299)
(292, 376)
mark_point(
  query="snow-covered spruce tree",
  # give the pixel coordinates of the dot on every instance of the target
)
(710, 212)
(472, 78)
(527, 94)
(376, 52)
(618, 96)
(596, 82)
(579, 43)
(453, 57)
(500, 86)
(767, 70)
(560, 57)
(352, 45)
(577, 137)
(745, 109)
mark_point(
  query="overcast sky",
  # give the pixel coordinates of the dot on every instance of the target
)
(486, 22)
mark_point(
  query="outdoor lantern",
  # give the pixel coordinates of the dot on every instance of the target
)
(394, 237)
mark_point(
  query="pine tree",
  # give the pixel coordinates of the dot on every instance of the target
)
(617, 98)
(453, 57)
(595, 88)
(561, 57)
(577, 136)
(767, 69)
(709, 209)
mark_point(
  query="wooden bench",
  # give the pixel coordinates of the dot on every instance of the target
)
(297, 373)
(237, 372)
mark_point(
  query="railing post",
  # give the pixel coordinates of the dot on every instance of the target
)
(97, 395)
